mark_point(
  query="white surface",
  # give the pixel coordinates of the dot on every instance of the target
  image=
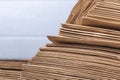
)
(24, 25)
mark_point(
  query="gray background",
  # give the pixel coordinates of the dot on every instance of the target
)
(24, 25)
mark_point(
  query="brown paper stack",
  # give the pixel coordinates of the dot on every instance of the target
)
(11, 69)
(87, 48)
(104, 14)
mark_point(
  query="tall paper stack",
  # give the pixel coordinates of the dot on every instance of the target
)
(87, 48)
(11, 69)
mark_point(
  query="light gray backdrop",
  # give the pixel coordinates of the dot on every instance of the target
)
(24, 25)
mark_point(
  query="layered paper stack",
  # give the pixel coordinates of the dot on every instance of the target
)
(102, 9)
(104, 14)
(11, 69)
(87, 48)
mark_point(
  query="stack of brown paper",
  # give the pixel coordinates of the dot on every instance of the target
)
(87, 47)
(103, 14)
(66, 59)
(80, 9)
(101, 9)
(11, 69)
(74, 61)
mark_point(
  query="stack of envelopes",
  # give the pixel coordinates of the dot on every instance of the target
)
(11, 69)
(87, 48)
